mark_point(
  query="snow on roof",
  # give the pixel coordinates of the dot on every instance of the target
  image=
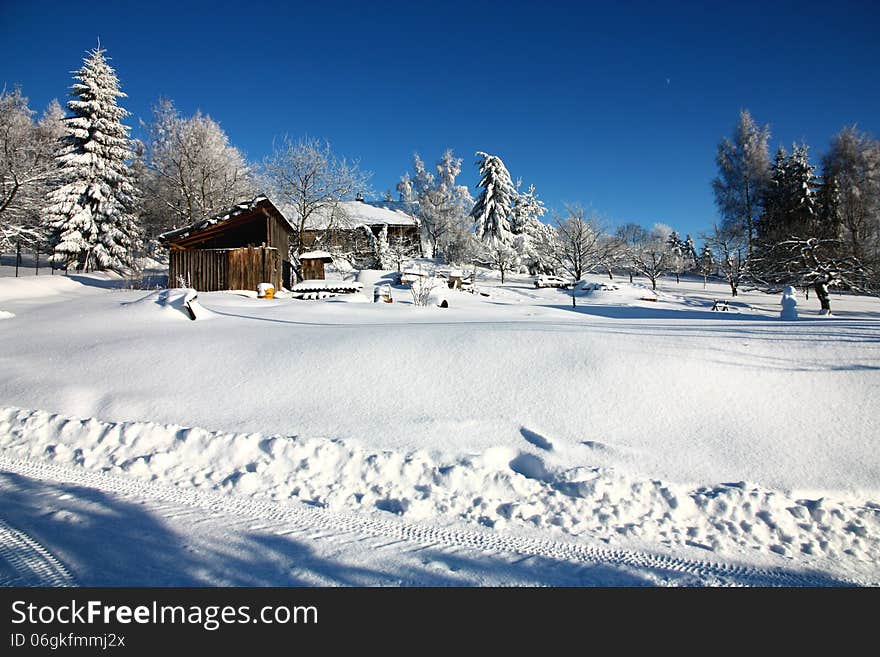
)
(316, 255)
(351, 214)
(220, 218)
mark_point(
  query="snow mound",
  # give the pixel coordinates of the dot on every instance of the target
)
(595, 287)
(174, 303)
(497, 488)
(6, 315)
(35, 286)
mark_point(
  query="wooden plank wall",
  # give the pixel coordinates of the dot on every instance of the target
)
(205, 269)
(251, 266)
(278, 236)
(226, 269)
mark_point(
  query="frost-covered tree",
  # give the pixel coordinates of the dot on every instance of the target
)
(650, 255)
(439, 202)
(27, 151)
(677, 255)
(627, 241)
(461, 247)
(493, 208)
(501, 257)
(730, 254)
(308, 177)
(382, 249)
(50, 127)
(400, 249)
(90, 211)
(192, 171)
(527, 209)
(706, 263)
(820, 264)
(577, 247)
(743, 173)
(852, 166)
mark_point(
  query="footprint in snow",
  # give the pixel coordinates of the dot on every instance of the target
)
(536, 439)
(595, 444)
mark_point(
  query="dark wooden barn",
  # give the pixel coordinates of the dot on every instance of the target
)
(235, 250)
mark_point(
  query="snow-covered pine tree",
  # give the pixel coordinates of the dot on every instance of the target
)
(802, 183)
(90, 211)
(526, 208)
(493, 208)
(774, 200)
(531, 236)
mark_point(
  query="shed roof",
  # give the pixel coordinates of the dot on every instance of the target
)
(227, 215)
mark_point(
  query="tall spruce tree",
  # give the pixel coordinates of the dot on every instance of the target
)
(493, 208)
(91, 210)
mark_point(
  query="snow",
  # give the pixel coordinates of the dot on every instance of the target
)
(634, 423)
(358, 213)
(789, 304)
(321, 285)
(316, 255)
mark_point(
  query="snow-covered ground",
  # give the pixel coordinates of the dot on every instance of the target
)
(645, 426)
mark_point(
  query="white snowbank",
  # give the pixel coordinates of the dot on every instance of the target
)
(6, 315)
(32, 287)
(498, 488)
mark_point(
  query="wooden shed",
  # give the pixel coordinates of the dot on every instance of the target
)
(313, 264)
(235, 250)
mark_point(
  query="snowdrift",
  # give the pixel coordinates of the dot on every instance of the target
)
(176, 303)
(501, 487)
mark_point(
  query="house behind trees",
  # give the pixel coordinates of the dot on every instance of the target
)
(352, 228)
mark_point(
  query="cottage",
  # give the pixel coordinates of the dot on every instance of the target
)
(238, 249)
(350, 226)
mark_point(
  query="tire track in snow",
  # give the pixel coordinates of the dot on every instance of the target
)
(318, 521)
(31, 563)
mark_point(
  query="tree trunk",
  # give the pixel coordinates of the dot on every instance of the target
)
(653, 283)
(610, 275)
(732, 289)
(573, 299)
(630, 277)
(677, 279)
(17, 257)
(824, 298)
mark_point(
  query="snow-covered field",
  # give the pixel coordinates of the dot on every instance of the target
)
(641, 427)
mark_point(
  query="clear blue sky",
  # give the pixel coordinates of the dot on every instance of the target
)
(618, 106)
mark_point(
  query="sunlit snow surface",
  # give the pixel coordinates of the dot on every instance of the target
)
(624, 420)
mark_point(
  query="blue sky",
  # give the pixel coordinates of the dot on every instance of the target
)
(618, 106)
